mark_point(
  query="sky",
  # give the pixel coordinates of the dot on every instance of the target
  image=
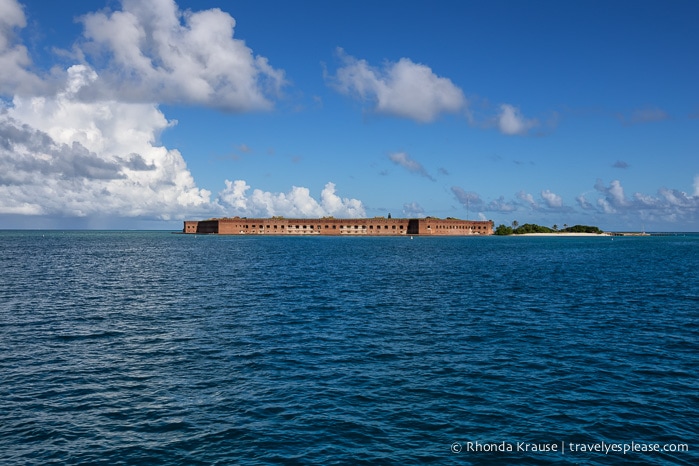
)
(138, 115)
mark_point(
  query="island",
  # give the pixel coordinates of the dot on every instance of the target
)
(534, 229)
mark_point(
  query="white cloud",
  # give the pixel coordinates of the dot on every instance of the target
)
(512, 122)
(606, 207)
(11, 15)
(616, 193)
(404, 88)
(528, 198)
(669, 205)
(613, 195)
(583, 202)
(501, 205)
(298, 202)
(468, 199)
(14, 59)
(696, 186)
(158, 53)
(60, 156)
(404, 160)
(413, 210)
(473, 202)
(552, 199)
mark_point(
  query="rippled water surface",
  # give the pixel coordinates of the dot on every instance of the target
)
(151, 347)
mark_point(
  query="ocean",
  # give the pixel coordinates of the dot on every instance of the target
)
(161, 348)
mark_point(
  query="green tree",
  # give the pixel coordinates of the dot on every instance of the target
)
(583, 229)
(502, 230)
(532, 228)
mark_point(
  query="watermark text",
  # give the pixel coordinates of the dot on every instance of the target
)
(562, 447)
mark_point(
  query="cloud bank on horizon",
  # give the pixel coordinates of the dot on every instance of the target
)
(82, 139)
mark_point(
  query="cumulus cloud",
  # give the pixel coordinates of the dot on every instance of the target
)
(412, 90)
(471, 200)
(549, 202)
(669, 205)
(583, 202)
(60, 156)
(613, 197)
(501, 205)
(620, 164)
(156, 52)
(466, 198)
(528, 199)
(404, 88)
(510, 121)
(551, 199)
(404, 160)
(413, 209)
(15, 76)
(298, 202)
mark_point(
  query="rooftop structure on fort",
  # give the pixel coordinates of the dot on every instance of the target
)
(330, 226)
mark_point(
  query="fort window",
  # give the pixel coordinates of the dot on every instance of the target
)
(394, 227)
(334, 227)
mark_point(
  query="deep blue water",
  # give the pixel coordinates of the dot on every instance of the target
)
(156, 348)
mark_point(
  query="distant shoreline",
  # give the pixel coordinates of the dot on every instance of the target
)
(610, 234)
(562, 234)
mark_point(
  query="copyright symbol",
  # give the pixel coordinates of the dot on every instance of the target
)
(456, 447)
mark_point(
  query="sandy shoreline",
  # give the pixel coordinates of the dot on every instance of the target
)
(564, 234)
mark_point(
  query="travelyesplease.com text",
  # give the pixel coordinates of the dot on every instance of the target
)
(563, 447)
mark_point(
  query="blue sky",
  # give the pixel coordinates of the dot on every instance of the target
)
(128, 114)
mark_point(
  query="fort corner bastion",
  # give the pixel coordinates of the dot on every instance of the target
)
(329, 226)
